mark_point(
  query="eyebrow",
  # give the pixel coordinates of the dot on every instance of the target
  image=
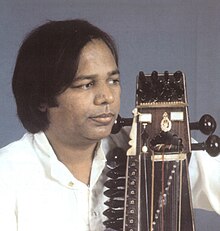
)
(89, 77)
(115, 72)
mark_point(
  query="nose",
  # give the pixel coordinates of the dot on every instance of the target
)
(104, 95)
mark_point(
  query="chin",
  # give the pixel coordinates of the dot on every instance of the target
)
(104, 132)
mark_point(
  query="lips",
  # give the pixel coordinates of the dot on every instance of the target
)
(103, 119)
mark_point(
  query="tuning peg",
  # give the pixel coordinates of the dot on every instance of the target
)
(178, 75)
(116, 158)
(116, 172)
(111, 213)
(114, 224)
(166, 75)
(206, 124)
(113, 193)
(118, 183)
(115, 203)
(119, 123)
(211, 145)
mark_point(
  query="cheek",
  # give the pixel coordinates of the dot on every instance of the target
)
(76, 111)
(71, 105)
(117, 95)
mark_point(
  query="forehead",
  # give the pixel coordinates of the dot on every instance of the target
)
(96, 56)
(95, 49)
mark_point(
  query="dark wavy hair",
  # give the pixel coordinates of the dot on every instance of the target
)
(46, 64)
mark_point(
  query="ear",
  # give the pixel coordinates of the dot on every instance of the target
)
(43, 107)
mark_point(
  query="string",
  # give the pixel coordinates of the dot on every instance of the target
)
(152, 193)
(180, 193)
(162, 202)
(146, 195)
(180, 188)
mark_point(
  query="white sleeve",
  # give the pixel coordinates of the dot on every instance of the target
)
(204, 172)
(8, 221)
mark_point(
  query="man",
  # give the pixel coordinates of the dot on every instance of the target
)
(67, 89)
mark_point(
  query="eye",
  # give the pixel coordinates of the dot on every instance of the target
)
(114, 81)
(87, 86)
(84, 86)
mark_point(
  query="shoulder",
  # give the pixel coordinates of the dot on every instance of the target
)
(204, 166)
(17, 149)
(205, 180)
(18, 160)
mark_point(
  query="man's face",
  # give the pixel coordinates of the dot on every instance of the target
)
(88, 108)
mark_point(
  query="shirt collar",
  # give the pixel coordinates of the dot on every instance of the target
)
(43, 145)
(58, 170)
(52, 166)
(98, 163)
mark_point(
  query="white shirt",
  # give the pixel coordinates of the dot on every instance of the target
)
(38, 193)
(204, 172)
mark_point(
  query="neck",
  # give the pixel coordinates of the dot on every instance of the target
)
(77, 158)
